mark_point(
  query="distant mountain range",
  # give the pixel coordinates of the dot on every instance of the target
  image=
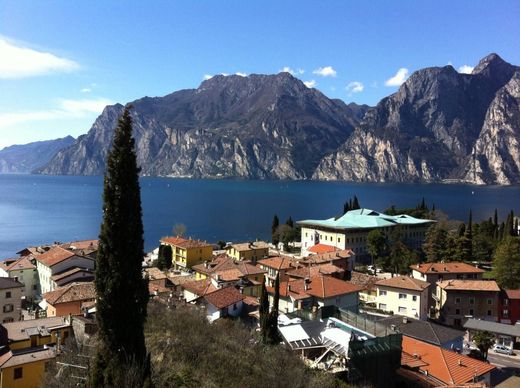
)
(28, 157)
(440, 126)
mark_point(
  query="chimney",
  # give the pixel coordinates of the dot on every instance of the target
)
(206, 264)
(405, 319)
(241, 290)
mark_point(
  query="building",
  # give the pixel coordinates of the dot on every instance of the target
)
(277, 266)
(69, 299)
(58, 260)
(24, 270)
(367, 283)
(437, 367)
(187, 252)
(457, 300)
(437, 272)
(158, 282)
(195, 289)
(227, 301)
(505, 334)
(315, 293)
(427, 331)
(312, 271)
(403, 295)
(351, 230)
(10, 300)
(38, 332)
(509, 310)
(24, 368)
(342, 258)
(252, 251)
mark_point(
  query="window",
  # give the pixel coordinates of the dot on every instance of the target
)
(489, 313)
(234, 307)
(402, 310)
(8, 308)
(8, 320)
(339, 240)
(382, 306)
(457, 300)
(490, 301)
(8, 294)
(402, 296)
(471, 300)
(18, 373)
(470, 311)
(382, 292)
(457, 311)
(506, 302)
(414, 298)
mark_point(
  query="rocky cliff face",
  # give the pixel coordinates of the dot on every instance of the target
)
(428, 129)
(24, 158)
(440, 126)
(252, 127)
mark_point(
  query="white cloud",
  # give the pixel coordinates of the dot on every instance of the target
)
(86, 90)
(22, 62)
(465, 69)
(287, 69)
(300, 71)
(398, 78)
(326, 71)
(310, 84)
(207, 76)
(355, 87)
(66, 109)
(241, 74)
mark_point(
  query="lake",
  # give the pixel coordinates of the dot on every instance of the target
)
(37, 209)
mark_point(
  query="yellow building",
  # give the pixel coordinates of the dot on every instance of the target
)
(187, 252)
(252, 251)
(38, 332)
(21, 368)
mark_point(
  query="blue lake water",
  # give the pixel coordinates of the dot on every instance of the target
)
(37, 209)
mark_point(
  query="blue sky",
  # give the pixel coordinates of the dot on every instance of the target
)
(61, 62)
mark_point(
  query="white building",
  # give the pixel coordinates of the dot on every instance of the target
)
(24, 270)
(403, 296)
(224, 302)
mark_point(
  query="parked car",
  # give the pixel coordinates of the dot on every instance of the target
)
(502, 349)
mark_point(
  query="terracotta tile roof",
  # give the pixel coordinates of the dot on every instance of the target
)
(72, 293)
(367, 282)
(81, 245)
(17, 331)
(18, 264)
(308, 272)
(250, 246)
(321, 287)
(279, 262)
(71, 271)
(154, 273)
(329, 256)
(513, 294)
(6, 283)
(200, 287)
(18, 357)
(322, 248)
(440, 268)
(184, 242)
(54, 256)
(445, 365)
(404, 282)
(469, 285)
(228, 268)
(179, 280)
(224, 297)
(209, 266)
(159, 288)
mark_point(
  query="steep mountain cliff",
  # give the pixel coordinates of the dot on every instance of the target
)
(428, 129)
(27, 157)
(260, 126)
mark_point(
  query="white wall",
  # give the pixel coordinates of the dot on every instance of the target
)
(417, 309)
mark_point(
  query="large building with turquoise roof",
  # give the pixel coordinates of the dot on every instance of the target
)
(350, 230)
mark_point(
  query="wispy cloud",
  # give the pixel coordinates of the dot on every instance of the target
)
(66, 109)
(287, 69)
(310, 84)
(355, 87)
(398, 78)
(86, 90)
(326, 71)
(465, 69)
(241, 74)
(21, 62)
(207, 76)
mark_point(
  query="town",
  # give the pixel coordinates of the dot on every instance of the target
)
(338, 303)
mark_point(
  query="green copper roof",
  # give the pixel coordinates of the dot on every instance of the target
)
(365, 218)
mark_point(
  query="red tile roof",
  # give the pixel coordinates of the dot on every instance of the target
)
(81, 245)
(279, 262)
(225, 266)
(308, 272)
(18, 264)
(445, 365)
(199, 287)
(322, 248)
(72, 293)
(469, 285)
(54, 256)
(440, 268)
(513, 294)
(321, 287)
(404, 282)
(71, 271)
(184, 242)
(224, 297)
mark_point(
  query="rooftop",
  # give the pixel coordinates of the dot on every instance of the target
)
(81, 245)
(321, 287)
(279, 262)
(186, 243)
(20, 330)
(199, 287)
(224, 297)
(367, 282)
(404, 282)
(155, 273)
(6, 283)
(322, 248)
(450, 367)
(70, 272)
(440, 268)
(224, 263)
(312, 271)
(72, 293)
(17, 264)
(54, 256)
(365, 218)
(23, 356)
(513, 294)
(250, 246)
(493, 327)
(469, 285)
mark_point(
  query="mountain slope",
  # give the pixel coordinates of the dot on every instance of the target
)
(27, 157)
(260, 126)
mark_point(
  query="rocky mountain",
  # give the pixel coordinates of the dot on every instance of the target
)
(27, 157)
(441, 125)
(260, 126)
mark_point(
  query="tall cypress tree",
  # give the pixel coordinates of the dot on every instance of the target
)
(263, 309)
(122, 292)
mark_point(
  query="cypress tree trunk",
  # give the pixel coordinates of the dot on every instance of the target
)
(122, 292)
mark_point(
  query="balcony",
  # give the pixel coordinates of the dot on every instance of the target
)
(435, 297)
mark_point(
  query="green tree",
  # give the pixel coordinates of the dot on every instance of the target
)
(355, 203)
(290, 222)
(264, 312)
(272, 335)
(484, 340)
(168, 256)
(506, 264)
(161, 260)
(121, 290)
(274, 227)
(376, 244)
(435, 244)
